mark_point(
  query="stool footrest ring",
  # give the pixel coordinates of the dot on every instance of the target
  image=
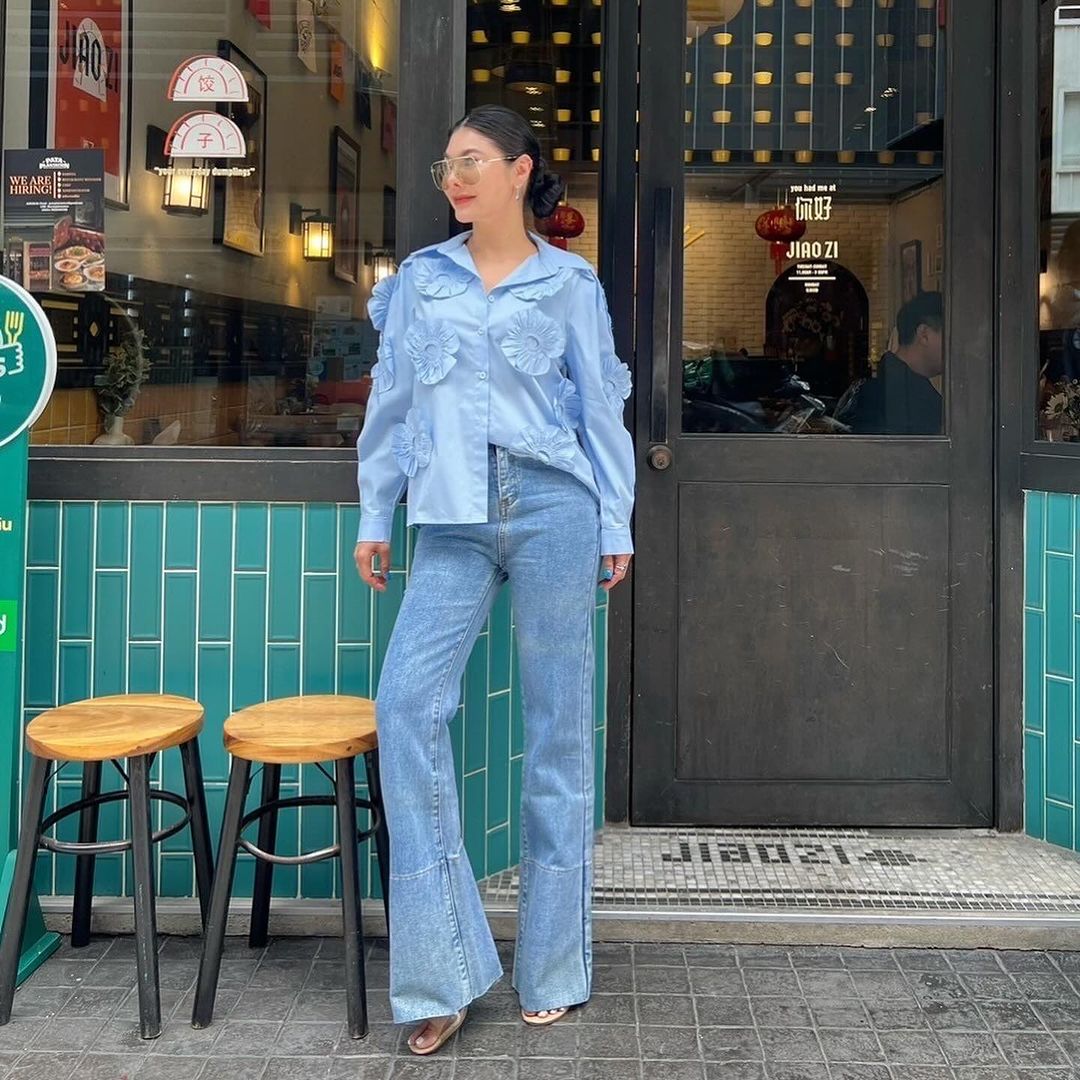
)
(108, 847)
(311, 856)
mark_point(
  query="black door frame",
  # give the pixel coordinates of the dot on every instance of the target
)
(983, 214)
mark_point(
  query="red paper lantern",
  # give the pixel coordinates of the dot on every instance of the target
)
(564, 223)
(780, 227)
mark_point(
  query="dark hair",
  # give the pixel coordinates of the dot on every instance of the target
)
(509, 131)
(922, 310)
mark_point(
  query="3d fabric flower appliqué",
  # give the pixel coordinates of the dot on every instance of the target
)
(551, 445)
(382, 374)
(533, 342)
(617, 382)
(567, 405)
(410, 442)
(432, 346)
(542, 289)
(379, 303)
(440, 278)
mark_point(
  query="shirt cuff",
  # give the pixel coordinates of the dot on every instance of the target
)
(375, 528)
(616, 541)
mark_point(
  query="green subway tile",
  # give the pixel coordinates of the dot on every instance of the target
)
(1059, 615)
(316, 831)
(387, 604)
(181, 534)
(286, 534)
(215, 572)
(179, 641)
(43, 534)
(108, 875)
(74, 671)
(498, 761)
(319, 675)
(110, 633)
(320, 538)
(67, 831)
(39, 628)
(354, 597)
(457, 742)
(1076, 801)
(112, 536)
(474, 814)
(1059, 825)
(515, 810)
(400, 539)
(76, 571)
(354, 670)
(177, 877)
(1034, 547)
(287, 878)
(147, 556)
(476, 701)
(499, 643)
(249, 640)
(1059, 740)
(252, 525)
(1034, 824)
(599, 761)
(1059, 523)
(144, 668)
(498, 850)
(517, 717)
(283, 671)
(213, 694)
(1033, 670)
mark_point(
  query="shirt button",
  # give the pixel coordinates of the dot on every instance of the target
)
(482, 375)
(491, 299)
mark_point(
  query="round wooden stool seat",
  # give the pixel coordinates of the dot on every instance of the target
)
(303, 730)
(116, 726)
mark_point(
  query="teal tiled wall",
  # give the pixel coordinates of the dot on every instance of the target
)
(1052, 668)
(234, 603)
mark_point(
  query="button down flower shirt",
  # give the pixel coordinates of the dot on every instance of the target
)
(530, 366)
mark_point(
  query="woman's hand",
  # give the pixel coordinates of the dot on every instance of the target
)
(618, 565)
(364, 554)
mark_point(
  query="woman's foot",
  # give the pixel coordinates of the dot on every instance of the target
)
(544, 1016)
(427, 1038)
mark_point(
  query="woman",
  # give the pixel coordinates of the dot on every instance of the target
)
(498, 399)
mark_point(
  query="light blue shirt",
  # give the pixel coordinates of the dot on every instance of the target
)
(530, 366)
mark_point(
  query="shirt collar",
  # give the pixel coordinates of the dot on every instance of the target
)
(547, 261)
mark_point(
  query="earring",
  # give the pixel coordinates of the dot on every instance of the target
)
(517, 194)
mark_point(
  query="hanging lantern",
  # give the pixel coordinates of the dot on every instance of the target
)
(701, 15)
(564, 223)
(780, 227)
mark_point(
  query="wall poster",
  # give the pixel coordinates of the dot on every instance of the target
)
(345, 188)
(80, 83)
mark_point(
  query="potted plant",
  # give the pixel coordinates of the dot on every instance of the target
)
(1061, 413)
(126, 369)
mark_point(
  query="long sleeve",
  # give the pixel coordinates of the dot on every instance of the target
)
(603, 383)
(380, 479)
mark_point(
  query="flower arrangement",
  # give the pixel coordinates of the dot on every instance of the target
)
(126, 369)
(1061, 412)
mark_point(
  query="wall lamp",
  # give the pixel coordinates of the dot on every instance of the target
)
(317, 231)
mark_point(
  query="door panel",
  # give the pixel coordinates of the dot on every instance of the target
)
(813, 623)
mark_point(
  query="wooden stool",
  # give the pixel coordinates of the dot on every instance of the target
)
(297, 730)
(132, 726)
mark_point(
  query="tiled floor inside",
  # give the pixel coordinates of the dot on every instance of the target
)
(823, 869)
(674, 1012)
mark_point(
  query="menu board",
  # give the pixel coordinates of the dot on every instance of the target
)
(54, 219)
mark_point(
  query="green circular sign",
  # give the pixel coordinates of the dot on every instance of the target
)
(27, 360)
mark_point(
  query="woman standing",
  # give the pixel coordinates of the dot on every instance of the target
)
(498, 399)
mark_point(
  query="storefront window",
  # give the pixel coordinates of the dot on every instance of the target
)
(202, 203)
(814, 242)
(544, 61)
(1059, 194)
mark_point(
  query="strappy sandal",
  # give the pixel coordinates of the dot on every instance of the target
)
(552, 1016)
(444, 1035)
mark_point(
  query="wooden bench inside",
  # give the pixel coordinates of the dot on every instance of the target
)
(315, 727)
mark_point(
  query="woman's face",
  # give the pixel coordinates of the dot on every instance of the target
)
(493, 195)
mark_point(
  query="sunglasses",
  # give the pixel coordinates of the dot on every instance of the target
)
(467, 169)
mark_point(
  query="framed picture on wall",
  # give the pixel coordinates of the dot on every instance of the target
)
(345, 190)
(239, 201)
(389, 218)
(361, 92)
(75, 105)
(910, 270)
(388, 124)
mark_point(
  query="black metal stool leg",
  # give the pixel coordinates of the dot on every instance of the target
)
(214, 938)
(22, 880)
(382, 834)
(264, 871)
(352, 930)
(200, 825)
(142, 858)
(84, 864)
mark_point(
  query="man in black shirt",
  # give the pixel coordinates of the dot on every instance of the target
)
(901, 399)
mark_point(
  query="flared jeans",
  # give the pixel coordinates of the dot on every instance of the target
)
(543, 536)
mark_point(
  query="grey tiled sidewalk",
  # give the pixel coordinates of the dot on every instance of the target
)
(668, 1011)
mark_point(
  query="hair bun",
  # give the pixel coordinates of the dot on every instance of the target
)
(545, 190)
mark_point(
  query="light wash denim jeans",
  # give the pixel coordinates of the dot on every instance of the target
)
(543, 535)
